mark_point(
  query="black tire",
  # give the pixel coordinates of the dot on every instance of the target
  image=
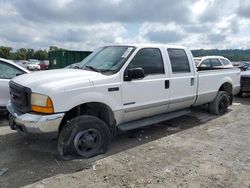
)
(220, 104)
(84, 136)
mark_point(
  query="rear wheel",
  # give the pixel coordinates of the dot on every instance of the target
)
(220, 104)
(85, 136)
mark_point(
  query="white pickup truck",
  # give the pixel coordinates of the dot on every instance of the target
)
(119, 87)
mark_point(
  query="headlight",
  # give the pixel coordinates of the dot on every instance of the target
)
(41, 103)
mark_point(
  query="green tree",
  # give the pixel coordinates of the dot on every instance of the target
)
(5, 52)
(30, 53)
(41, 54)
(53, 48)
(21, 54)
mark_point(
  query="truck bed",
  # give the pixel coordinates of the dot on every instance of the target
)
(209, 82)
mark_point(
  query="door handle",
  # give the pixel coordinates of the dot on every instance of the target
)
(166, 84)
(192, 81)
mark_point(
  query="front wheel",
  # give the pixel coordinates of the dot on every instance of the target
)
(220, 104)
(84, 136)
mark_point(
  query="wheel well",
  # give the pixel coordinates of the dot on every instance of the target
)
(99, 110)
(228, 88)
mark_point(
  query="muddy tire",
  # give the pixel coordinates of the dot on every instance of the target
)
(84, 136)
(220, 104)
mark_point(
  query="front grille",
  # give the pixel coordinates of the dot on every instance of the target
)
(20, 97)
(245, 79)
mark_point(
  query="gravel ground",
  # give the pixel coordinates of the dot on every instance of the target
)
(197, 150)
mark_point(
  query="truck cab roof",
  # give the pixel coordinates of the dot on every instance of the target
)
(147, 45)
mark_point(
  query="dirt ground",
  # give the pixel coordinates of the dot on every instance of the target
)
(196, 150)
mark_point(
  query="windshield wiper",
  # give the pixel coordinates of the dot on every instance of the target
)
(106, 70)
(92, 68)
(98, 70)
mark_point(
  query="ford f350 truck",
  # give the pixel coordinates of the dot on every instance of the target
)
(117, 87)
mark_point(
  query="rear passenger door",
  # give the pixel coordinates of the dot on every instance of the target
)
(183, 81)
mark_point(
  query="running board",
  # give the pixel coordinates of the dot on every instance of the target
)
(152, 120)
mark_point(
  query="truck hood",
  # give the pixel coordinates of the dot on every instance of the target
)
(43, 81)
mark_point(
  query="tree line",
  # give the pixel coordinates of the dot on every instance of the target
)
(26, 53)
(42, 54)
(232, 55)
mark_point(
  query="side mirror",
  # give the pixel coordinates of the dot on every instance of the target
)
(134, 73)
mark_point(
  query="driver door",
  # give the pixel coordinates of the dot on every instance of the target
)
(147, 96)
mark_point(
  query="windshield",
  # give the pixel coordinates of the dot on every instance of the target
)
(107, 59)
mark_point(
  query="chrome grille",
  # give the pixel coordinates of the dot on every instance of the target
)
(20, 97)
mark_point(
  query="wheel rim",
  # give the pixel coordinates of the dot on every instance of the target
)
(87, 142)
(223, 104)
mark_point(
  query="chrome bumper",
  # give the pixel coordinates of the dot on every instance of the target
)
(34, 123)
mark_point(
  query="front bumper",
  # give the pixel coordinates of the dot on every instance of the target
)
(245, 87)
(245, 84)
(236, 90)
(31, 123)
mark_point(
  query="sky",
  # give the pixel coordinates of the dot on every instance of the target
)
(88, 24)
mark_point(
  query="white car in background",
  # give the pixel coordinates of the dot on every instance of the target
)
(22, 63)
(33, 64)
(212, 62)
(8, 70)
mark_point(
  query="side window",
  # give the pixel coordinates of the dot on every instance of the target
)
(225, 62)
(206, 63)
(8, 71)
(179, 61)
(149, 59)
(215, 62)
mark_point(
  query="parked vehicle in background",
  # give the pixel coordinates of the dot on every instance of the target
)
(245, 79)
(44, 65)
(8, 70)
(119, 87)
(73, 66)
(33, 64)
(22, 63)
(212, 62)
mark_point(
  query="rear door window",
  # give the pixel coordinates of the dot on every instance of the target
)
(179, 61)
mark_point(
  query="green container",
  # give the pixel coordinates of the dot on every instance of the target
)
(62, 58)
